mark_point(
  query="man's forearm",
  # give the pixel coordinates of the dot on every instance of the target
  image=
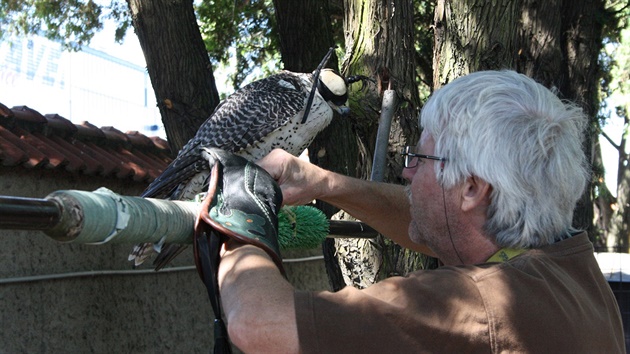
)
(383, 206)
(258, 302)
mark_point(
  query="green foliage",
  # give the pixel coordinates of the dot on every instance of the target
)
(619, 70)
(615, 19)
(242, 34)
(614, 64)
(119, 13)
(615, 57)
(72, 22)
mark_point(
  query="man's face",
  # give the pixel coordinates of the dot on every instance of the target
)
(428, 225)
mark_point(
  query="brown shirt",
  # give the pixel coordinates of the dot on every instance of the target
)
(548, 300)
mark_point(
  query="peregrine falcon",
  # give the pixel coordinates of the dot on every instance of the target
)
(261, 116)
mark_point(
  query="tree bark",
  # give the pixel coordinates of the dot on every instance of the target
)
(301, 50)
(473, 35)
(581, 45)
(603, 206)
(334, 148)
(178, 65)
(555, 42)
(621, 217)
(380, 44)
(379, 41)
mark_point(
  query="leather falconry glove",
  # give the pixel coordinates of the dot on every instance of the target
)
(242, 203)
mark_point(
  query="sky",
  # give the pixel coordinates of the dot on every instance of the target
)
(105, 84)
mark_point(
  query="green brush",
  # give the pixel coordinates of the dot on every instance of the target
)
(301, 227)
(306, 227)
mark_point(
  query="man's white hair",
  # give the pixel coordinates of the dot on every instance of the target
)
(512, 132)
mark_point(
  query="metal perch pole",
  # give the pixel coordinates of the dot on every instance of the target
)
(100, 216)
(388, 108)
(103, 216)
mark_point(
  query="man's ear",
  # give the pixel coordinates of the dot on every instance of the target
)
(475, 193)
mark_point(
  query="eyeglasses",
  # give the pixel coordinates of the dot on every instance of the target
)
(411, 159)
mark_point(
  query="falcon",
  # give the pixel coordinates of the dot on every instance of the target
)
(286, 110)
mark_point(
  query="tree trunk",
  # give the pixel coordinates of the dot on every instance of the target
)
(380, 44)
(555, 42)
(297, 22)
(603, 206)
(581, 45)
(473, 35)
(178, 65)
(622, 215)
(334, 148)
(379, 39)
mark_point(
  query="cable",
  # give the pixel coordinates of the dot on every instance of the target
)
(96, 273)
(448, 228)
(304, 259)
(90, 273)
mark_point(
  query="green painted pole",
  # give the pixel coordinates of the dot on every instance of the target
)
(103, 216)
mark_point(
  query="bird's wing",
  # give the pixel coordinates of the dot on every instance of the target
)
(241, 120)
(253, 112)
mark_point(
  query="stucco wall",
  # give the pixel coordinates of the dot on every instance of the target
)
(115, 313)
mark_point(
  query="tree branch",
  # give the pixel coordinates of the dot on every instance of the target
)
(610, 140)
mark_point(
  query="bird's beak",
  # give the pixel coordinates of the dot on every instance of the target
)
(344, 111)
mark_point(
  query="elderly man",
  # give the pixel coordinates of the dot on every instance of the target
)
(493, 181)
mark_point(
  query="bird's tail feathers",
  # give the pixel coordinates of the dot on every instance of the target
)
(140, 253)
(168, 253)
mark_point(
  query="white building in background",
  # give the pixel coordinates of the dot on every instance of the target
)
(91, 85)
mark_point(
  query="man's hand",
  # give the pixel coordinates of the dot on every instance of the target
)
(301, 182)
(385, 206)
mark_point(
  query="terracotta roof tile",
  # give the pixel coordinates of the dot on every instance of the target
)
(107, 166)
(89, 132)
(7, 118)
(53, 157)
(9, 152)
(153, 173)
(32, 140)
(115, 135)
(32, 156)
(60, 126)
(29, 119)
(161, 143)
(138, 139)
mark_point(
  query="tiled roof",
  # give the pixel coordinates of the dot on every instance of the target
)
(31, 140)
